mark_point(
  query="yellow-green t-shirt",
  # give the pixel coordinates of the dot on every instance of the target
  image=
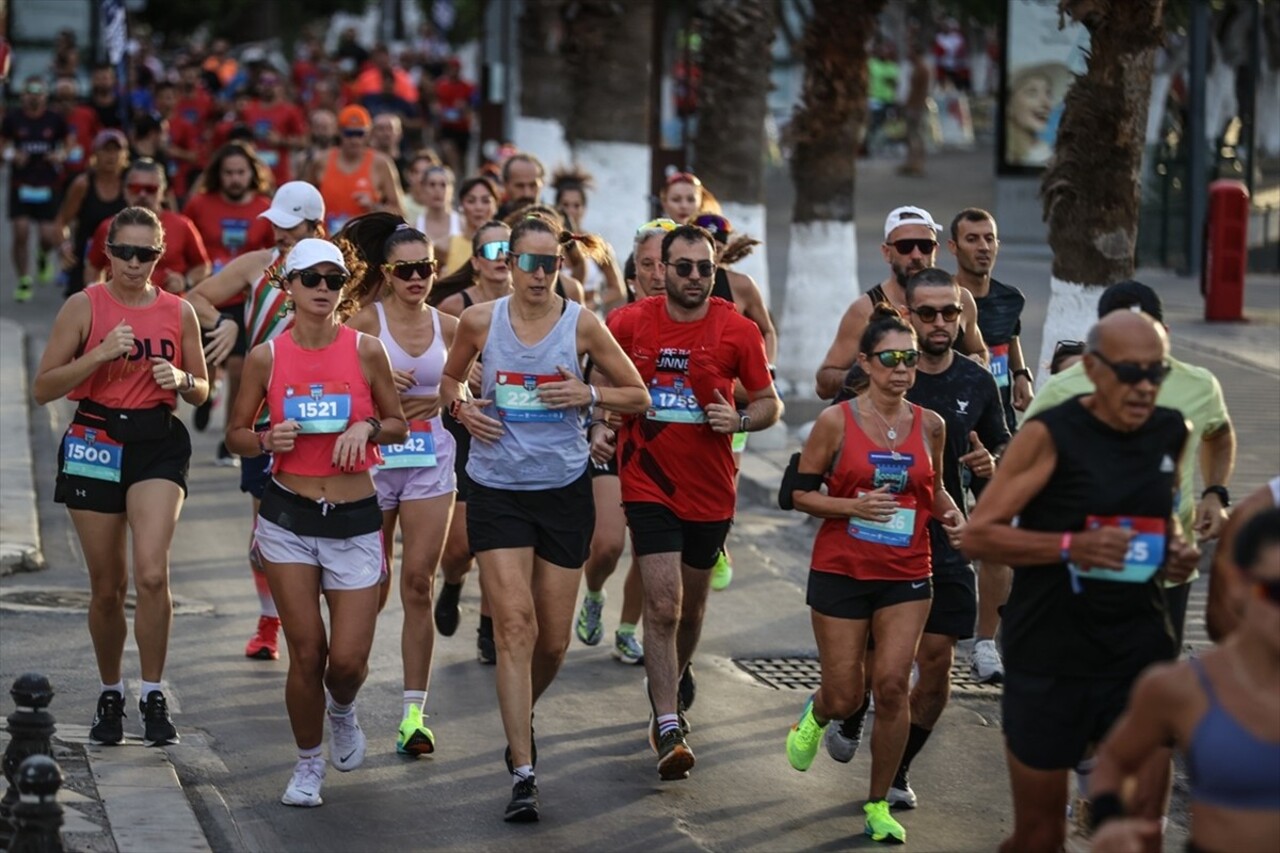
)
(1191, 390)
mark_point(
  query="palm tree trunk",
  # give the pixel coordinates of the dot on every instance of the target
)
(542, 76)
(1090, 190)
(822, 264)
(606, 53)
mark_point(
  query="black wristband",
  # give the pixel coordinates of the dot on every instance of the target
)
(377, 427)
(1024, 371)
(1221, 492)
(1104, 807)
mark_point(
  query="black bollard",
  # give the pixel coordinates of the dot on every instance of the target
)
(37, 817)
(30, 727)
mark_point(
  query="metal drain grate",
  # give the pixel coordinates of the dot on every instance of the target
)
(805, 673)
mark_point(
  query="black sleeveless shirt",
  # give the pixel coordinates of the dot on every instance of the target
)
(720, 287)
(1057, 624)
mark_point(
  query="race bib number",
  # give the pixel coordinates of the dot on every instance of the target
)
(896, 532)
(418, 450)
(1146, 549)
(674, 402)
(90, 452)
(269, 156)
(324, 407)
(34, 195)
(235, 233)
(892, 469)
(1000, 364)
(516, 396)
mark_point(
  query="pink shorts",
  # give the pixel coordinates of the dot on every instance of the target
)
(397, 485)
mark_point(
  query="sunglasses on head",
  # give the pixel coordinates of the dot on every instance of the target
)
(125, 252)
(928, 313)
(409, 270)
(713, 222)
(494, 251)
(311, 279)
(529, 262)
(1132, 374)
(663, 223)
(141, 189)
(894, 357)
(904, 247)
(684, 269)
(1068, 348)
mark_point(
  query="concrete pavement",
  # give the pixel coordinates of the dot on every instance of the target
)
(19, 523)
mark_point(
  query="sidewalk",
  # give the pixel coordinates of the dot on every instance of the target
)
(19, 524)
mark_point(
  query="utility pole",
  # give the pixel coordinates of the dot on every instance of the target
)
(1197, 136)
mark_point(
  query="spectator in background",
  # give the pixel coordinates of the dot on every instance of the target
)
(278, 126)
(453, 99)
(66, 56)
(951, 52)
(882, 85)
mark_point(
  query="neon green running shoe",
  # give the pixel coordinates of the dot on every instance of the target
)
(721, 572)
(880, 824)
(22, 293)
(803, 739)
(414, 738)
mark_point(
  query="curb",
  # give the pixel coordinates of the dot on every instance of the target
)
(19, 521)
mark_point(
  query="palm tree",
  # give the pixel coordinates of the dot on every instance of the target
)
(1090, 190)
(824, 132)
(729, 146)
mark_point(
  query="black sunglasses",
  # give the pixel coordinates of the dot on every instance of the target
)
(310, 279)
(928, 313)
(125, 252)
(684, 269)
(894, 357)
(409, 270)
(530, 262)
(1131, 374)
(904, 247)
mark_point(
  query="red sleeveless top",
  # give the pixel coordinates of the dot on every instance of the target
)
(897, 550)
(127, 383)
(325, 391)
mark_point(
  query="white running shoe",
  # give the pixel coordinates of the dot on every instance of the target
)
(347, 746)
(304, 787)
(902, 798)
(985, 661)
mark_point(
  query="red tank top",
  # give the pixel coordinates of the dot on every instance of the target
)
(127, 383)
(895, 550)
(339, 188)
(325, 391)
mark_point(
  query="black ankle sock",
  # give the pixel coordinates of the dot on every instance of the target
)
(486, 627)
(915, 742)
(852, 725)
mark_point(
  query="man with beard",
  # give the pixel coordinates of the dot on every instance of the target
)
(676, 460)
(522, 179)
(910, 245)
(975, 246)
(296, 212)
(104, 96)
(965, 396)
(278, 126)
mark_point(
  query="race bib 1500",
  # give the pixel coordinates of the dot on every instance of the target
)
(516, 396)
(322, 407)
(89, 452)
(418, 450)
(1146, 550)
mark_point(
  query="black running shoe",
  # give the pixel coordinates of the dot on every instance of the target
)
(523, 807)
(157, 728)
(108, 720)
(446, 611)
(675, 758)
(203, 412)
(486, 650)
(688, 690)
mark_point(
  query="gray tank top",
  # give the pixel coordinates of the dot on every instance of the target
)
(541, 448)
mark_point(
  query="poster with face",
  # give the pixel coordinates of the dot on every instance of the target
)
(1041, 60)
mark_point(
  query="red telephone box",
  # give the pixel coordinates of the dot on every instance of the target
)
(1226, 251)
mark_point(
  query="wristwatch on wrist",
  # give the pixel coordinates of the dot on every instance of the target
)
(1024, 371)
(1221, 492)
(744, 422)
(376, 426)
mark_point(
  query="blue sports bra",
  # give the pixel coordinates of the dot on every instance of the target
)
(1229, 765)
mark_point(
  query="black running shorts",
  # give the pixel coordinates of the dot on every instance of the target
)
(556, 523)
(843, 597)
(655, 529)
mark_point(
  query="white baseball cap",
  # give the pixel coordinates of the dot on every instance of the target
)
(295, 202)
(900, 216)
(311, 251)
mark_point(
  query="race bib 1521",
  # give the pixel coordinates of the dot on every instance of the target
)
(322, 407)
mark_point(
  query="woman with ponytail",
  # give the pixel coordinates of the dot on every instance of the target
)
(415, 482)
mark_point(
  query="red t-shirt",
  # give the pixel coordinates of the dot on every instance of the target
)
(196, 109)
(185, 135)
(224, 225)
(83, 122)
(453, 97)
(183, 248)
(670, 455)
(286, 120)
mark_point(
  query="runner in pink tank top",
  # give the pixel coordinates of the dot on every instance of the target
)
(333, 402)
